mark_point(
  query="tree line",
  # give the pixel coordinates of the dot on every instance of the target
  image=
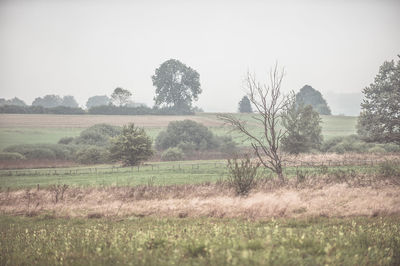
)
(177, 87)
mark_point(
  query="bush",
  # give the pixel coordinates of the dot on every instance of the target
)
(172, 154)
(225, 144)
(376, 149)
(242, 175)
(186, 131)
(43, 151)
(391, 147)
(92, 155)
(98, 135)
(11, 156)
(66, 140)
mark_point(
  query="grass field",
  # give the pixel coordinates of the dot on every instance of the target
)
(44, 240)
(22, 129)
(185, 213)
(171, 173)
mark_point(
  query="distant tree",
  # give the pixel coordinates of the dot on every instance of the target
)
(69, 101)
(309, 95)
(380, 115)
(303, 128)
(120, 97)
(245, 105)
(132, 147)
(14, 101)
(98, 100)
(176, 85)
(48, 101)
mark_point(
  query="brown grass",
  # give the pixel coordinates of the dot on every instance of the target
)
(84, 121)
(269, 199)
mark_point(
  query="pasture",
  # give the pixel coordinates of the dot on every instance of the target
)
(333, 210)
(23, 129)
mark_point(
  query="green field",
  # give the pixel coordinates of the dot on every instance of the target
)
(44, 240)
(332, 126)
(164, 173)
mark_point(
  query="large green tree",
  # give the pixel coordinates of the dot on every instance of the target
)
(380, 111)
(132, 147)
(309, 95)
(303, 129)
(245, 105)
(177, 85)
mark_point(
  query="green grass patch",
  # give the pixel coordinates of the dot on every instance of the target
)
(13, 136)
(44, 240)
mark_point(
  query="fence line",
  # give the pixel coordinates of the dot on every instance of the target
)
(173, 167)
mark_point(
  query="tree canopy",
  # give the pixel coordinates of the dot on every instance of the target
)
(14, 101)
(48, 101)
(69, 101)
(120, 97)
(98, 100)
(132, 147)
(176, 85)
(309, 95)
(380, 111)
(303, 128)
(245, 105)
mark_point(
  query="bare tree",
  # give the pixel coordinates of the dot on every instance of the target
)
(271, 105)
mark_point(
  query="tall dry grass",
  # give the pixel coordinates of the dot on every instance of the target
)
(323, 195)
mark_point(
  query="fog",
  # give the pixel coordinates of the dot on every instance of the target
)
(86, 48)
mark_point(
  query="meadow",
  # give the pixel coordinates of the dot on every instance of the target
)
(24, 129)
(333, 209)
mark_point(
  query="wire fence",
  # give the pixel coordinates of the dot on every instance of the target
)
(174, 167)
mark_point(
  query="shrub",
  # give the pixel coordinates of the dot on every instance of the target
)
(66, 140)
(391, 147)
(376, 149)
(11, 156)
(242, 175)
(186, 131)
(225, 144)
(92, 155)
(44, 151)
(172, 154)
(41, 153)
(99, 135)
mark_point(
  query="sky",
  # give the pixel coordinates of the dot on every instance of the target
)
(86, 48)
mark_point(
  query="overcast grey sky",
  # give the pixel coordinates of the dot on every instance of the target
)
(85, 48)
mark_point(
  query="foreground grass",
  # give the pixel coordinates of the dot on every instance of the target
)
(44, 240)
